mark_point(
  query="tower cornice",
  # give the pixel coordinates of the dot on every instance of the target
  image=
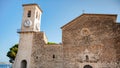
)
(33, 4)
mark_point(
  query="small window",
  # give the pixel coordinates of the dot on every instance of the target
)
(53, 56)
(36, 14)
(36, 57)
(87, 58)
(29, 13)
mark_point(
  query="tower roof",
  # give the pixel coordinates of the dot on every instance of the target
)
(33, 4)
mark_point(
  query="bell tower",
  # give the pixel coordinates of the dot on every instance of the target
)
(30, 25)
(31, 18)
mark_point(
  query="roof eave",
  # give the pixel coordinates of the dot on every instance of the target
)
(33, 4)
(86, 14)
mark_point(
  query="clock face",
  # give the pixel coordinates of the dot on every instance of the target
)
(27, 23)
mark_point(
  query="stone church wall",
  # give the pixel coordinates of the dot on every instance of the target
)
(117, 41)
(92, 32)
(53, 56)
(88, 40)
(43, 55)
(37, 57)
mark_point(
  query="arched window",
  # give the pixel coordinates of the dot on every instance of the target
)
(36, 14)
(29, 13)
(88, 66)
(23, 64)
(87, 58)
(53, 56)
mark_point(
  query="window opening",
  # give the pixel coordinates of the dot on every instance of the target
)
(24, 64)
(29, 13)
(53, 56)
(87, 66)
(87, 58)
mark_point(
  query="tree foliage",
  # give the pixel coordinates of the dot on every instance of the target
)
(50, 43)
(12, 53)
(14, 49)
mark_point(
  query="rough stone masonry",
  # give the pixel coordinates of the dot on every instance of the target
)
(88, 41)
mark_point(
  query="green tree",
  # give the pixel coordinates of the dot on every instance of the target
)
(12, 53)
(50, 43)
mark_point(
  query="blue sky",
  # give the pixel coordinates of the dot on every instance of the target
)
(56, 13)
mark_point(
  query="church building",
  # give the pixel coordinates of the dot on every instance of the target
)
(88, 41)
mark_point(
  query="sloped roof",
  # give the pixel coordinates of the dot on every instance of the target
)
(115, 15)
